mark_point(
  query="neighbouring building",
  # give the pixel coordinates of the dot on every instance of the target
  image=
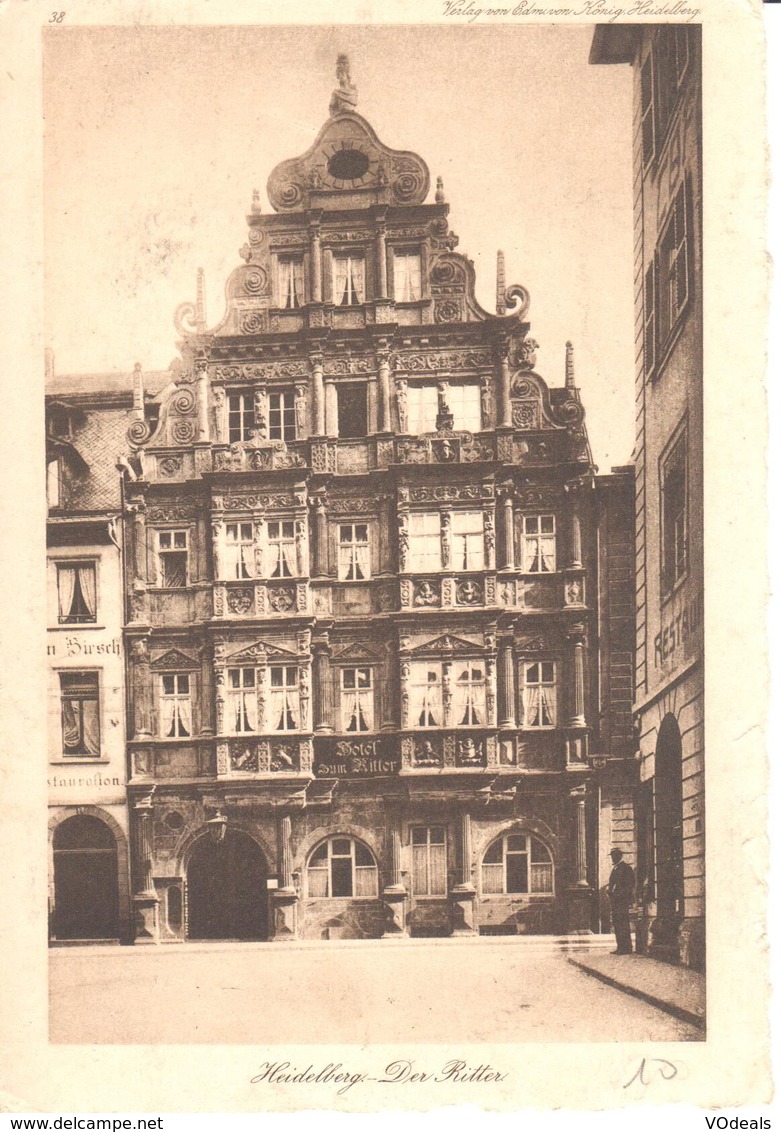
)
(87, 417)
(379, 605)
(89, 893)
(668, 696)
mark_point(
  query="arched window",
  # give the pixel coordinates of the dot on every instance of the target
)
(517, 863)
(340, 867)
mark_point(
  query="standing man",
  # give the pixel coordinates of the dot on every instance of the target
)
(620, 889)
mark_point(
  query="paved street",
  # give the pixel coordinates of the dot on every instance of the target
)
(359, 993)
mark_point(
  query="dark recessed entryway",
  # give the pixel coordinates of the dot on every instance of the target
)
(86, 888)
(226, 889)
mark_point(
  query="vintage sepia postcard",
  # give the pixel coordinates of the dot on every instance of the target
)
(386, 672)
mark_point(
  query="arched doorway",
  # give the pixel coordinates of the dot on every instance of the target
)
(86, 888)
(226, 889)
(669, 823)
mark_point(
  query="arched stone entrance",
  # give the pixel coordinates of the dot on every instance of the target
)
(226, 889)
(86, 889)
(669, 833)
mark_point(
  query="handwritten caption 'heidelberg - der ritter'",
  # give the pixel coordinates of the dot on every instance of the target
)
(396, 1073)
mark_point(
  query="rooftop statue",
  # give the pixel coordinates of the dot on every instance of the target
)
(345, 97)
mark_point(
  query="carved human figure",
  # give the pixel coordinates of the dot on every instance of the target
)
(401, 404)
(300, 407)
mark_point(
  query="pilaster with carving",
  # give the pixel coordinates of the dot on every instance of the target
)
(318, 394)
(579, 893)
(463, 894)
(321, 722)
(403, 539)
(502, 354)
(318, 504)
(141, 688)
(146, 902)
(394, 894)
(384, 368)
(284, 902)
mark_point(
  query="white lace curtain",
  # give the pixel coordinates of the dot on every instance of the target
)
(539, 705)
(406, 277)
(539, 554)
(76, 591)
(349, 280)
(291, 282)
(469, 695)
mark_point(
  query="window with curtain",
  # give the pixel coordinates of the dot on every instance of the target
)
(283, 698)
(429, 861)
(539, 544)
(242, 697)
(76, 593)
(674, 514)
(463, 400)
(468, 684)
(241, 416)
(426, 708)
(239, 550)
(80, 712)
(341, 867)
(172, 558)
(517, 863)
(407, 280)
(422, 408)
(349, 280)
(467, 541)
(282, 415)
(282, 549)
(357, 695)
(290, 281)
(176, 719)
(539, 694)
(354, 562)
(425, 542)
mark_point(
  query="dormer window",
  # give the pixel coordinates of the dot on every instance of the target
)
(290, 281)
(349, 280)
(407, 277)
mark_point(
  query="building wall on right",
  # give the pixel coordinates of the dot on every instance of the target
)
(668, 692)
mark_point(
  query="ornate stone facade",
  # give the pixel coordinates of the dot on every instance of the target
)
(366, 672)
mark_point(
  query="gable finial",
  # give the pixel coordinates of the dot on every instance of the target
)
(200, 302)
(439, 196)
(570, 367)
(501, 297)
(345, 95)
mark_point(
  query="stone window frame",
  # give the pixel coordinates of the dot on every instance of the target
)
(502, 840)
(428, 845)
(368, 872)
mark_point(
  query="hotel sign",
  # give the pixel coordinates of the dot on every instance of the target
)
(354, 758)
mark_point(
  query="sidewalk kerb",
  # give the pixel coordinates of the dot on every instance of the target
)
(679, 1012)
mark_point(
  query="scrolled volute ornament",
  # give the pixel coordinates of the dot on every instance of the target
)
(138, 433)
(186, 319)
(517, 300)
(183, 401)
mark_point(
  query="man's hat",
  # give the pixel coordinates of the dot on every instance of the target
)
(616, 854)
